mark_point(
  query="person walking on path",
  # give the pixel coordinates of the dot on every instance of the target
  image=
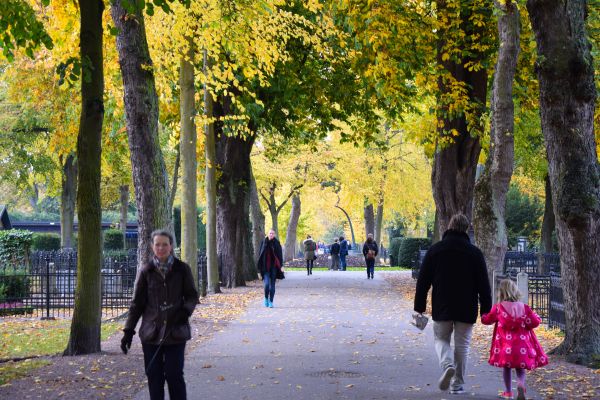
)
(514, 344)
(165, 297)
(370, 250)
(343, 253)
(310, 247)
(456, 269)
(270, 265)
(335, 255)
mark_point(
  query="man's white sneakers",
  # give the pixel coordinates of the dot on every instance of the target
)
(444, 382)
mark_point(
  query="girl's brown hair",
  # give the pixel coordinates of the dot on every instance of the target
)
(508, 291)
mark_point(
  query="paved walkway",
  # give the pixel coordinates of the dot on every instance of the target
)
(331, 335)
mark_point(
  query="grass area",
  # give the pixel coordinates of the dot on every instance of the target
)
(26, 338)
(15, 370)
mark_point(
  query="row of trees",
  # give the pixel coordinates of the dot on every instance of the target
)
(290, 74)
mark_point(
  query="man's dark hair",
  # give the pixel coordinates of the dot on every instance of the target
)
(459, 222)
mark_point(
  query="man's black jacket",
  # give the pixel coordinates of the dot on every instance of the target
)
(456, 270)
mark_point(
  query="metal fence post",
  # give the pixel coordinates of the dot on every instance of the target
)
(47, 259)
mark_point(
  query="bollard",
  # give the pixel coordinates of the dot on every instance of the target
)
(523, 285)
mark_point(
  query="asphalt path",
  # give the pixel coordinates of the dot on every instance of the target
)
(331, 335)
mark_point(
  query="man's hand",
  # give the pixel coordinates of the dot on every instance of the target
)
(181, 316)
(126, 340)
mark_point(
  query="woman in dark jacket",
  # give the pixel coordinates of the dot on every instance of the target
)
(165, 297)
(370, 250)
(270, 265)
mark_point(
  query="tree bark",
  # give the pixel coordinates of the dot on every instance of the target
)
(290, 238)
(567, 103)
(150, 178)
(233, 161)
(491, 188)
(85, 326)
(210, 190)
(257, 217)
(68, 198)
(250, 266)
(187, 149)
(124, 210)
(349, 223)
(379, 220)
(455, 163)
(273, 209)
(548, 223)
(369, 219)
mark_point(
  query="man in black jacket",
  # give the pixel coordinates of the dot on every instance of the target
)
(456, 269)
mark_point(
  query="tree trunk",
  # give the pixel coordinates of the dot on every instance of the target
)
(290, 238)
(548, 221)
(150, 178)
(491, 188)
(257, 217)
(233, 160)
(250, 267)
(85, 326)
(436, 228)
(187, 147)
(68, 197)
(369, 220)
(349, 223)
(210, 189)
(455, 163)
(173, 191)
(379, 221)
(124, 209)
(567, 103)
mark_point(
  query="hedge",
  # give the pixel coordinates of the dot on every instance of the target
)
(14, 285)
(14, 247)
(113, 239)
(393, 250)
(408, 250)
(45, 241)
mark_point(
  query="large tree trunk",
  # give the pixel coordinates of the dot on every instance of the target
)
(233, 160)
(85, 325)
(124, 189)
(250, 267)
(289, 250)
(369, 219)
(257, 217)
(150, 178)
(187, 147)
(210, 190)
(455, 163)
(548, 223)
(173, 190)
(567, 103)
(491, 188)
(68, 197)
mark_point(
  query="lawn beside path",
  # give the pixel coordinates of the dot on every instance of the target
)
(108, 375)
(331, 335)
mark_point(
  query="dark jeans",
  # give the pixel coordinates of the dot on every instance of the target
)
(269, 283)
(167, 365)
(370, 267)
(343, 262)
(309, 266)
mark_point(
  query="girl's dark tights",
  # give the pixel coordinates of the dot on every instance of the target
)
(507, 378)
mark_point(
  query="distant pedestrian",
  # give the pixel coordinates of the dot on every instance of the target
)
(165, 297)
(310, 247)
(514, 344)
(370, 250)
(343, 252)
(456, 270)
(335, 255)
(270, 265)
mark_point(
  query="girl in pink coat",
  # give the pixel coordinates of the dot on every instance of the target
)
(514, 344)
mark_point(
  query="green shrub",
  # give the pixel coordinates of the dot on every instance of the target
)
(14, 285)
(409, 248)
(113, 239)
(14, 247)
(393, 250)
(45, 241)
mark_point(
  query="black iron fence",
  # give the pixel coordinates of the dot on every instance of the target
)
(46, 287)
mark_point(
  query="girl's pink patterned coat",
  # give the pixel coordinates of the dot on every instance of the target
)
(514, 344)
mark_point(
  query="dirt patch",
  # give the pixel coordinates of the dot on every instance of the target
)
(113, 375)
(558, 380)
